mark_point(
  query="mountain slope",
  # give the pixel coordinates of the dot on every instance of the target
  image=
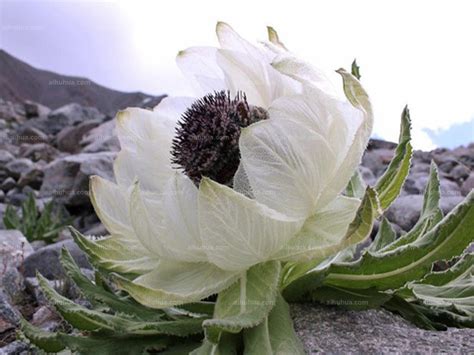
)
(20, 81)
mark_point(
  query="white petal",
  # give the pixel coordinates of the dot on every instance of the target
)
(166, 223)
(172, 284)
(149, 163)
(359, 99)
(231, 40)
(303, 72)
(171, 108)
(199, 65)
(323, 233)
(137, 124)
(111, 203)
(275, 39)
(287, 165)
(238, 232)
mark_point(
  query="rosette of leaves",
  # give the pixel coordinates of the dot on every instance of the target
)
(42, 225)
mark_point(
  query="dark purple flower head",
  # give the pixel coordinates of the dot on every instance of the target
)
(207, 137)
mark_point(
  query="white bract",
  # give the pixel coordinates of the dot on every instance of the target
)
(183, 242)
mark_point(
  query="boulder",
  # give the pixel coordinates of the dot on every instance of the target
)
(8, 184)
(9, 316)
(34, 109)
(377, 160)
(416, 183)
(73, 114)
(67, 178)
(46, 260)
(69, 138)
(31, 135)
(14, 248)
(334, 330)
(406, 209)
(101, 139)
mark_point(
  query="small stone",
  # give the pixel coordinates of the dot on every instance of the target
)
(5, 157)
(69, 138)
(40, 151)
(101, 139)
(460, 172)
(14, 248)
(13, 284)
(46, 260)
(32, 178)
(32, 135)
(46, 319)
(9, 316)
(19, 166)
(16, 348)
(468, 185)
(8, 184)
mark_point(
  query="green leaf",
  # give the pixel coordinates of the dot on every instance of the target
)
(430, 215)
(98, 294)
(11, 220)
(91, 320)
(385, 236)
(393, 269)
(275, 335)
(301, 278)
(355, 69)
(46, 341)
(356, 299)
(229, 344)
(447, 294)
(246, 303)
(356, 187)
(390, 183)
(412, 313)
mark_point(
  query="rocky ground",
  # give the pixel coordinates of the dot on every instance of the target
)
(52, 153)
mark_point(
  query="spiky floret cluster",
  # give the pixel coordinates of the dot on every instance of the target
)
(207, 137)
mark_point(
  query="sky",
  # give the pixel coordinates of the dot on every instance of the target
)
(418, 53)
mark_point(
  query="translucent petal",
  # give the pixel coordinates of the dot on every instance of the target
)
(238, 232)
(295, 68)
(199, 66)
(287, 165)
(359, 99)
(166, 223)
(322, 233)
(111, 203)
(174, 283)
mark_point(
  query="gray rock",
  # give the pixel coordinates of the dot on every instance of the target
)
(13, 284)
(32, 177)
(460, 172)
(46, 319)
(14, 248)
(2, 198)
(97, 230)
(16, 348)
(40, 151)
(405, 211)
(72, 114)
(381, 144)
(18, 166)
(101, 139)
(337, 331)
(67, 178)
(69, 138)
(9, 316)
(377, 160)
(33, 109)
(5, 157)
(8, 184)
(46, 260)
(468, 185)
(416, 183)
(32, 135)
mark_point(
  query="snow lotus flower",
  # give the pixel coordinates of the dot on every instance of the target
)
(250, 170)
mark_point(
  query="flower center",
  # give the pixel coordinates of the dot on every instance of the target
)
(207, 137)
